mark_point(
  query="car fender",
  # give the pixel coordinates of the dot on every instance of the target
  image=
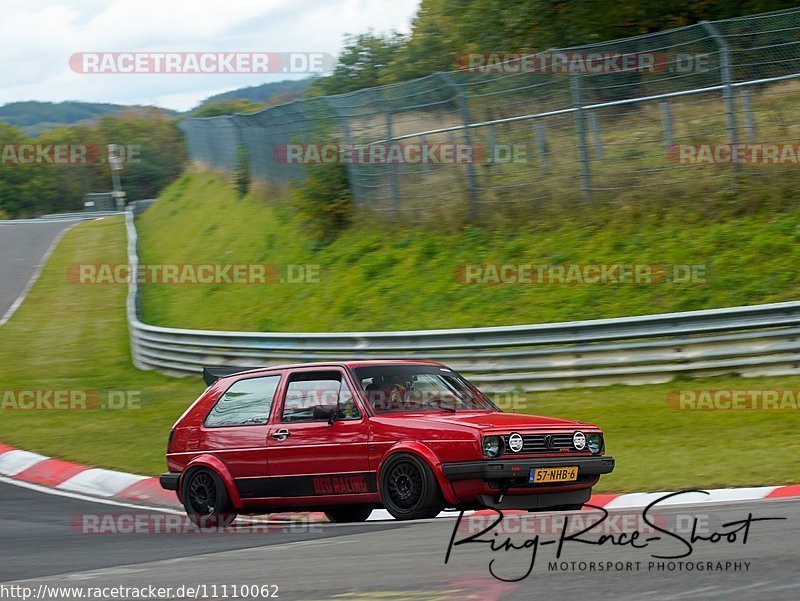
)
(214, 463)
(427, 455)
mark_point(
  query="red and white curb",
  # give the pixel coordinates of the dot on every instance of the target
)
(72, 477)
(128, 488)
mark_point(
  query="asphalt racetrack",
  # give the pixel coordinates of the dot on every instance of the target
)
(23, 247)
(43, 546)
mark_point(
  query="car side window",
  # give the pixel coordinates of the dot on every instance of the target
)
(245, 403)
(312, 397)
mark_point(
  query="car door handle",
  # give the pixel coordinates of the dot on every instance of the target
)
(281, 434)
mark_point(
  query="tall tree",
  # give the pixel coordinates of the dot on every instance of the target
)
(361, 64)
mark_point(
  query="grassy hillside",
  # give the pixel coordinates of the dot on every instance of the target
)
(383, 276)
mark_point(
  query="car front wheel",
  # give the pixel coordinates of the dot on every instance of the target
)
(206, 500)
(409, 490)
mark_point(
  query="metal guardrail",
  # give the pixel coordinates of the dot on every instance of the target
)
(53, 217)
(748, 341)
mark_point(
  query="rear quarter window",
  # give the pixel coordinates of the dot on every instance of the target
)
(245, 403)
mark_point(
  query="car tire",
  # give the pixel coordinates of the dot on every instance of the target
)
(206, 500)
(349, 514)
(408, 488)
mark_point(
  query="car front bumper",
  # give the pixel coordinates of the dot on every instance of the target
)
(501, 469)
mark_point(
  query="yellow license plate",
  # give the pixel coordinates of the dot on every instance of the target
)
(554, 474)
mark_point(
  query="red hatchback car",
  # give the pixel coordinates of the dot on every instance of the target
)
(346, 437)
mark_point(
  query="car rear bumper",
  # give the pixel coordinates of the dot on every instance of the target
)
(169, 481)
(499, 469)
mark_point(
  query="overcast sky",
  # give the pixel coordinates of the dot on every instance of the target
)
(38, 37)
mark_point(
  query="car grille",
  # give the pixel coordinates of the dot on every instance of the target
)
(535, 443)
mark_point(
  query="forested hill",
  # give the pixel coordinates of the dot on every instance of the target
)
(34, 116)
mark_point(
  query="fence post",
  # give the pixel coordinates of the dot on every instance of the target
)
(391, 165)
(749, 120)
(491, 144)
(541, 142)
(352, 176)
(727, 82)
(426, 166)
(666, 123)
(580, 131)
(472, 181)
(242, 170)
(597, 138)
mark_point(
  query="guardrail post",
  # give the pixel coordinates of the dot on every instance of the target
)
(727, 82)
(580, 131)
(472, 180)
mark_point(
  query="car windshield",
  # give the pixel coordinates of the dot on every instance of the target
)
(414, 388)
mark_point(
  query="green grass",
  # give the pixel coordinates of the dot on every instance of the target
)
(70, 336)
(659, 448)
(379, 275)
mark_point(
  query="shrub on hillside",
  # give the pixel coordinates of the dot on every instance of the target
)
(326, 200)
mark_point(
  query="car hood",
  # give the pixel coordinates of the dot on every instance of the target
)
(491, 421)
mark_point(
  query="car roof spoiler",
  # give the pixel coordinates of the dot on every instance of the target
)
(212, 374)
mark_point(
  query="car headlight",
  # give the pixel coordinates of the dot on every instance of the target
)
(492, 446)
(595, 443)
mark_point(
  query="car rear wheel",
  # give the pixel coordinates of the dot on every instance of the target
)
(349, 514)
(206, 500)
(409, 489)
